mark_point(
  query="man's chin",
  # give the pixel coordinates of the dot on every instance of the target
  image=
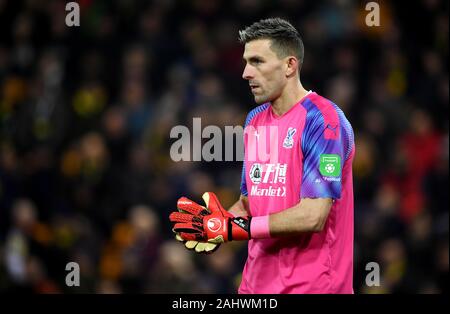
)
(260, 100)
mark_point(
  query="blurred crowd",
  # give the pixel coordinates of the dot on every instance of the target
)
(86, 112)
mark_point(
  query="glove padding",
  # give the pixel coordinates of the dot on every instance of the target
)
(199, 247)
(212, 224)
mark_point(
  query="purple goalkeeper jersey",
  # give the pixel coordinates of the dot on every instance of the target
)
(305, 153)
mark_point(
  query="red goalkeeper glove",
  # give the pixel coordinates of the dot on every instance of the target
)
(197, 246)
(213, 224)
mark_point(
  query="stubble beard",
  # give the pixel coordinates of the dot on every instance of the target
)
(261, 99)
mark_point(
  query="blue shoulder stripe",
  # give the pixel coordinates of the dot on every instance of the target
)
(255, 112)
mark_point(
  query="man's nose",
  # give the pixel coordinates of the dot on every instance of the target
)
(248, 73)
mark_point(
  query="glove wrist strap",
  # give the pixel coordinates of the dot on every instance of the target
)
(239, 228)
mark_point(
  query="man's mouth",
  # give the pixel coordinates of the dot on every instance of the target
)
(253, 87)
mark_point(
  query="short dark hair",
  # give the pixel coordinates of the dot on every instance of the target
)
(285, 38)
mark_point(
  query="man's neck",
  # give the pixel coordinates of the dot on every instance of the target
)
(289, 97)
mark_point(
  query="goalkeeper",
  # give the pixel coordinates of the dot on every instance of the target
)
(296, 207)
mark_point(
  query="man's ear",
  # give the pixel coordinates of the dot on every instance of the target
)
(292, 65)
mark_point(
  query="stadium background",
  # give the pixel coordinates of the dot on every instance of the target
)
(85, 116)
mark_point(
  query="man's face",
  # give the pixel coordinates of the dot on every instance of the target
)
(264, 71)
